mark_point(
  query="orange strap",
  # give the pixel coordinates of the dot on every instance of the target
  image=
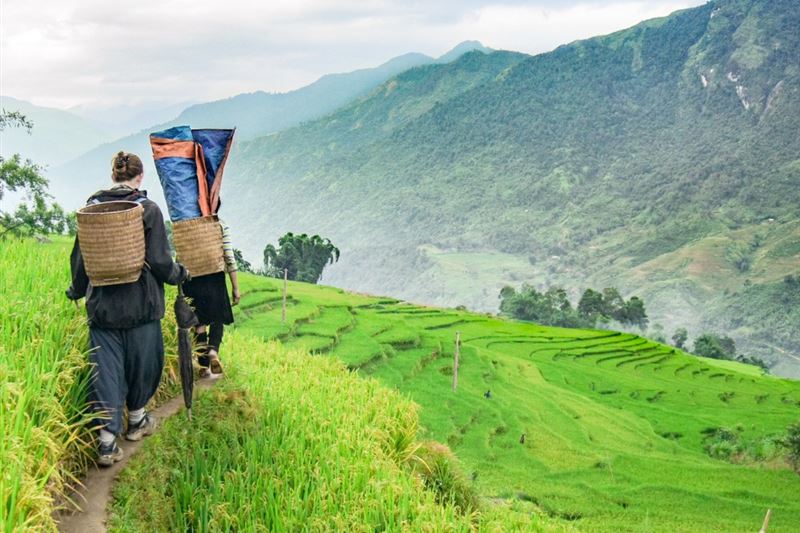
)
(202, 184)
(168, 148)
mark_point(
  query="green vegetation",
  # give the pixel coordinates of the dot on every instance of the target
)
(619, 430)
(765, 319)
(661, 160)
(300, 257)
(291, 442)
(553, 308)
(325, 446)
(715, 347)
(25, 177)
(792, 443)
(42, 385)
(44, 442)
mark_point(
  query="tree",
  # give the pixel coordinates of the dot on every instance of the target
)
(613, 304)
(303, 257)
(242, 264)
(633, 312)
(792, 444)
(34, 215)
(680, 337)
(550, 308)
(715, 347)
(591, 304)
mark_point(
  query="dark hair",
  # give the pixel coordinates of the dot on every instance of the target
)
(125, 166)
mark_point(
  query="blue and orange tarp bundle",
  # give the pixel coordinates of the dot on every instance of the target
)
(190, 164)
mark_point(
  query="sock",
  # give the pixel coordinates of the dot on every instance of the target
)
(135, 416)
(106, 437)
(201, 338)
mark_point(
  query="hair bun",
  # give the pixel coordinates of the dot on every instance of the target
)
(125, 166)
(121, 160)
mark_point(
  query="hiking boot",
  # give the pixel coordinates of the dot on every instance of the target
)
(204, 372)
(145, 427)
(109, 454)
(215, 365)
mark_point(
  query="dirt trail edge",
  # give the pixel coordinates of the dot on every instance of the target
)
(95, 493)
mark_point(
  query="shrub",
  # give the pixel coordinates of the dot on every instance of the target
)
(441, 473)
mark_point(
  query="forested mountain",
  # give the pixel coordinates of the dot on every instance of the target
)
(253, 114)
(662, 159)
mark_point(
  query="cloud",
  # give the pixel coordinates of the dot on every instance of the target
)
(69, 52)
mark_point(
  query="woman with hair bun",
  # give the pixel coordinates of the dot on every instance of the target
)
(127, 349)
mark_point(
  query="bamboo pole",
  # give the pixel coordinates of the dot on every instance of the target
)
(766, 522)
(285, 283)
(455, 360)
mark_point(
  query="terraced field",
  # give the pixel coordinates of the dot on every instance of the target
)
(614, 425)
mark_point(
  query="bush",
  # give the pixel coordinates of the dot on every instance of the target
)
(441, 473)
(792, 444)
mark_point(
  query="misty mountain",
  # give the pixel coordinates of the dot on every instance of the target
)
(121, 120)
(662, 159)
(253, 114)
(56, 135)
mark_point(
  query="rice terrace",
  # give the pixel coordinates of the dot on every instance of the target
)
(615, 426)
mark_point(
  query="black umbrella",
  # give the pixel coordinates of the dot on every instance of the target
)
(186, 319)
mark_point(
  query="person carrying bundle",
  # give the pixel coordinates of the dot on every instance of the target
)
(210, 300)
(127, 348)
(190, 164)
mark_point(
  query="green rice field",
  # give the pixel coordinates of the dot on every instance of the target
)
(615, 425)
(344, 418)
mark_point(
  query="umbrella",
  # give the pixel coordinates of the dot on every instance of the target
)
(186, 319)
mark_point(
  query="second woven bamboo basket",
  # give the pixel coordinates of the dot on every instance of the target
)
(198, 245)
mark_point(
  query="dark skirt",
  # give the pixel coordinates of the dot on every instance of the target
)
(210, 298)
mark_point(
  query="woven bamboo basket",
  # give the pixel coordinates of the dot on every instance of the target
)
(198, 244)
(111, 238)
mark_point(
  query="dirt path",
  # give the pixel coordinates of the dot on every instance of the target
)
(95, 493)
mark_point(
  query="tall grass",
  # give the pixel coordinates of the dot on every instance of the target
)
(43, 378)
(292, 442)
(45, 442)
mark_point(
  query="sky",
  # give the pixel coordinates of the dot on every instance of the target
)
(98, 53)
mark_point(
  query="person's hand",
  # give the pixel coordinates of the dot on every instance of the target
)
(236, 296)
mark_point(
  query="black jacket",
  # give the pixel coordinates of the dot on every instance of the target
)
(130, 304)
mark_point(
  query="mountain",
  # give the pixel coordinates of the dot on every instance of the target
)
(121, 120)
(253, 114)
(661, 159)
(56, 135)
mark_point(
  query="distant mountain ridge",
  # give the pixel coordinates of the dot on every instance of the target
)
(253, 114)
(56, 135)
(661, 159)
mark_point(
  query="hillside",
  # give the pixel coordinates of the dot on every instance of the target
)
(253, 114)
(301, 440)
(616, 427)
(619, 431)
(661, 159)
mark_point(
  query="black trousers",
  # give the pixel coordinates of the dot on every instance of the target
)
(210, 339)
(127, 365)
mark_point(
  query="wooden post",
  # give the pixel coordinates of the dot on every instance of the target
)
(283, 308)
(455, 360)
(766, 522)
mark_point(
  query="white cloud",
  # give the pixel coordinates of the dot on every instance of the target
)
(68, 52)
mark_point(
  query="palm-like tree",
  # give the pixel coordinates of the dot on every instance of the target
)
(302, 256)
